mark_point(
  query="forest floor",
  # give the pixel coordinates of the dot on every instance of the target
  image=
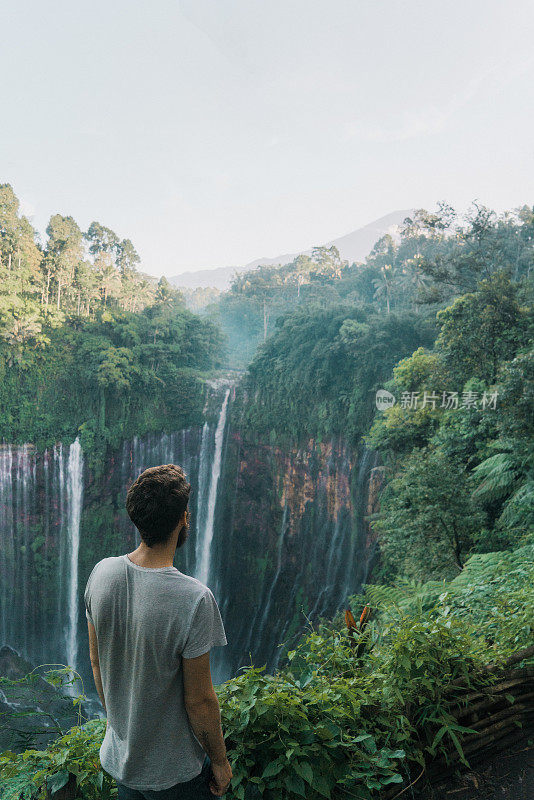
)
(508, 776)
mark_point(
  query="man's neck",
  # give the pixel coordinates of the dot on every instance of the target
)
(160, 555)
(153, 557)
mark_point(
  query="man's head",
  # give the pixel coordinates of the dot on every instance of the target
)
(156, 503)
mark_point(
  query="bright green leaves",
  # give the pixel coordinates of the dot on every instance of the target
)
(75, 753)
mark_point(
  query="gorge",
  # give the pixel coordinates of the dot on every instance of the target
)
(278, 534)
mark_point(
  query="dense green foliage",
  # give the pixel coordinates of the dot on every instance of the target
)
(327, 722)
(438, 256)
(87, 342)
(317, 375)
(459, 444)
(448, 331)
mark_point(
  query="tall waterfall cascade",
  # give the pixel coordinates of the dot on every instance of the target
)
(205, 534)
(41, 497)
(276, 535)
(74, 501)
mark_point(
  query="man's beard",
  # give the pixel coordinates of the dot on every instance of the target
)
(182, 536)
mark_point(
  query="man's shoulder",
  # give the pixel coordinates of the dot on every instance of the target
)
(192, 586)
(105, 565)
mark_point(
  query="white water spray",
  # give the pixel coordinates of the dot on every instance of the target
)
(203, 567)
(203, 468)
(267, 609)
(74, 506)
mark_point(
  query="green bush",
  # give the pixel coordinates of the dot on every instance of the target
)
(333, 723)
(28, 774)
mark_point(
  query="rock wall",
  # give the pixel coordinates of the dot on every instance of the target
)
(280, 534)
(291, 542)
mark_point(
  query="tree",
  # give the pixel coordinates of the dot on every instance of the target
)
(166, 295)
(20, 257)
(110, 281)
(328, 261)
(102, 240)
(63, 253)
(427, 520)
(86, 286)
(507, 475)
(127, 257)
(481, 329)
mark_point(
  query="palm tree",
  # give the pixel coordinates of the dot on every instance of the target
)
(383, 284)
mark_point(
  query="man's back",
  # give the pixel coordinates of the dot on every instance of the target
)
(145, 619)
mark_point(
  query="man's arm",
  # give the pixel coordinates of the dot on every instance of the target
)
(202, 705)
(95, 663)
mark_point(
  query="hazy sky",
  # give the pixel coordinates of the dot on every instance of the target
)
(213, 132)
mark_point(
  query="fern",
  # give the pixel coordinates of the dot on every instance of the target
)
(519, 508)
(498, 474)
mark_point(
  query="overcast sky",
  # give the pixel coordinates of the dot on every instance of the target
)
(213, 132)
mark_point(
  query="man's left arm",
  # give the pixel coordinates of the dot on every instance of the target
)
(95, 663)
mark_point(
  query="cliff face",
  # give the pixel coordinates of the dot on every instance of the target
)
(280, 535)
(293, 544)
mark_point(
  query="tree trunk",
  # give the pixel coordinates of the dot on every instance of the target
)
(264, 321)
(47, 287)
(102, 421)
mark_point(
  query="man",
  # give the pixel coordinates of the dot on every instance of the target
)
(150, 632)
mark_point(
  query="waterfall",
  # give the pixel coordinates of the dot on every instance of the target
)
(321, 553)
(6, 538)
(74, 503)
(202, 494)
(33, 552)
(59, 495)
(366, 462)
(21, 504)
(274, 583)
(333, 557)
(44, 558)
(203, 566)
(316, 556)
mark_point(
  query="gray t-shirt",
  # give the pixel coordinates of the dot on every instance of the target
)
(146, 619)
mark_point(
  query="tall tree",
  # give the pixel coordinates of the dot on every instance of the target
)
(64, 251)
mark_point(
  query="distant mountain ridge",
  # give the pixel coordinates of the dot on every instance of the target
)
(354, 246)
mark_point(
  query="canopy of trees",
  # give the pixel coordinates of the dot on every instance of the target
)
(87, 342)
(436, 257)
(443, 318)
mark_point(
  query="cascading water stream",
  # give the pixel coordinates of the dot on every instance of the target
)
(59, 492)
(7, 538)
(202, 494)
(40, 516)
(205, 539)
(332, 559)
(74, 502)
(364, 469)
(267, 609)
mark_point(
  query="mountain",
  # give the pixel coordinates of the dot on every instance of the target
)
(354, 246)
(218, 277)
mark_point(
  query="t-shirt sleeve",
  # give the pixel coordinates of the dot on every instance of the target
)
(206, 630)
(87, 597)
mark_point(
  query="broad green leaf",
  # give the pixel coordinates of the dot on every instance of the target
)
(57, 781)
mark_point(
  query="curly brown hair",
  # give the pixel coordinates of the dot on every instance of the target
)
(156, 502)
